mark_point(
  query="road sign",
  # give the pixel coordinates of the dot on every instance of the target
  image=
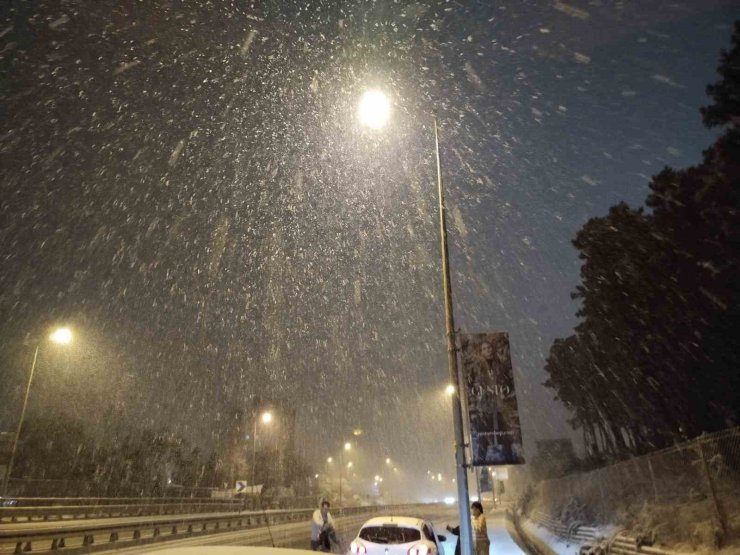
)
(241, 487)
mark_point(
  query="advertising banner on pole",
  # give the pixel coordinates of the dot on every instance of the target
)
(488, 379)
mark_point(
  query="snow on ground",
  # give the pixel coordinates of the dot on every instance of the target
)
(501, 541)
(543, 536)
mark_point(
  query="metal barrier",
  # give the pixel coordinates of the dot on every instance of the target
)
(69, 501)
(574, 531)
(594, 544)
(164, 528)
(16, 514)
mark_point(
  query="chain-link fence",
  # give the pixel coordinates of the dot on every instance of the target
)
(686, 490)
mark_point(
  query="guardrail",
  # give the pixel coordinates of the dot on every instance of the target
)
(160, 529)
(70, 501)
(592, 543)
(16, 514)
(575, 531)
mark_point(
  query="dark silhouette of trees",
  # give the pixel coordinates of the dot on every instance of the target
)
(656, 357)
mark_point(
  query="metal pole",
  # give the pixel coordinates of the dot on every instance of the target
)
(721, 516)
(254, 455)
(494, 479)
(341, 471)
(477, 473)
(20, 423)
(466, 535)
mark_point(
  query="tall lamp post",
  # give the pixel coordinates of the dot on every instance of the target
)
(62, 336)
(347, 446)
(266, 418)
(374, 112)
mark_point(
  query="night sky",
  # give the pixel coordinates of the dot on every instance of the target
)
(186, 184)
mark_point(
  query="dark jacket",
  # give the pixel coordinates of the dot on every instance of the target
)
(456, 532)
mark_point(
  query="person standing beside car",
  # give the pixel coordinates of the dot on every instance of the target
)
(480, 529)
(481, 543)
(322, 527)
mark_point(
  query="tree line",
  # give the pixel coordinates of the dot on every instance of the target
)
(58, 456)
(655, 358)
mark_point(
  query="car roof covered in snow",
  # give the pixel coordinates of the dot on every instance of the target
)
(229, 550)
(404, 521)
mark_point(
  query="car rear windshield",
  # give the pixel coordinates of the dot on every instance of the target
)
(389, 534)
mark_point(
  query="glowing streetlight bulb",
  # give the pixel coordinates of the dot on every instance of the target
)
(347, 446)
(330, 460)
(266, 417)
(388, 461)
(374, 109)
(450, 389)
(349, 464)
(62, 336)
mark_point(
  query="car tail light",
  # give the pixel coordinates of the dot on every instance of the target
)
(419, 549)
(357, 548)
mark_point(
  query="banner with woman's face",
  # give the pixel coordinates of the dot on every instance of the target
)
(488, 383)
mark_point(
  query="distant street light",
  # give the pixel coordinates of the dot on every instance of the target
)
(374, 111)
(450, 390)
(330, 460)
(266, 418)
(62, 336)
(388, 461)
(347, 446)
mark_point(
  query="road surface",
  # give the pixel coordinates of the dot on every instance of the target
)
(295, 534)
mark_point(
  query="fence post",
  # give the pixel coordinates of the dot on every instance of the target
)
(713, 490)
(604, 516)
(652, 479)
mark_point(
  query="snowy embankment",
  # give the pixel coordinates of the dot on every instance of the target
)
(549, 538)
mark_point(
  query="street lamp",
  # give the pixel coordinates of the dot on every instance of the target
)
(266, 418)
(374, 112)
(347, 447)
(62, 336)
(374, 109)
(450, 390)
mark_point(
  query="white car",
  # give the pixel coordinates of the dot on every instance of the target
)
(397, 535)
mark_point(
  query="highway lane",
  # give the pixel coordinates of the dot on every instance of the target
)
(297, 534)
